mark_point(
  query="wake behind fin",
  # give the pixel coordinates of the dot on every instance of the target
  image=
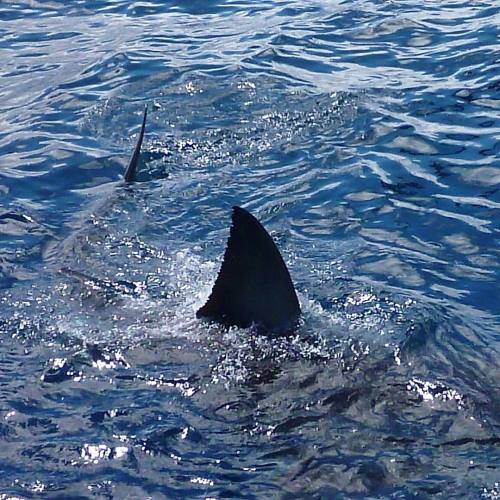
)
(253, 285)
(129, 175)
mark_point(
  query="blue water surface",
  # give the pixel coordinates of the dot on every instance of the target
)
(365, 135)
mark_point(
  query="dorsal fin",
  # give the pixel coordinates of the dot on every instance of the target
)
(129, 175)
(253, 285)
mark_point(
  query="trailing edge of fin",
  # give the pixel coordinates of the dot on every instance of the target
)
(253, 285)
(129, 175)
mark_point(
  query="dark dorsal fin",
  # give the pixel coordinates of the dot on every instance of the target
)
(253, 285)
(129, 175)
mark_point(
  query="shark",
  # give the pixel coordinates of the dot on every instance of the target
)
(254, 286)
(131, 171)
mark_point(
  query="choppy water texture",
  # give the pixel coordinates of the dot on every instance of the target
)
(365, 135)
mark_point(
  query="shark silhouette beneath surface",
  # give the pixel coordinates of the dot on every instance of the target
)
(253, 286)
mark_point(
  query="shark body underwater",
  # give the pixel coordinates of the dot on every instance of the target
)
(253, 287)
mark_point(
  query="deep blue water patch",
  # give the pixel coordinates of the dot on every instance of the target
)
(364, 135)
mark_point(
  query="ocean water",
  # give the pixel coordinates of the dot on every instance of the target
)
(365, 135)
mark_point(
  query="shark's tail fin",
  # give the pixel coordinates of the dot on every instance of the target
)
(253, 285)
(129, 175)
